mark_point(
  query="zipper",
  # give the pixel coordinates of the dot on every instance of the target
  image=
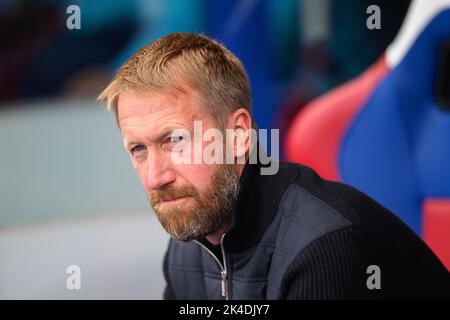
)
(223, 268)
(224, 271)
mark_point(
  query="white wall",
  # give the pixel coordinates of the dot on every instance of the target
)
(119, 257)
(69, 195)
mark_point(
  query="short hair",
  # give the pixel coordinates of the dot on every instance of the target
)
(202, 63)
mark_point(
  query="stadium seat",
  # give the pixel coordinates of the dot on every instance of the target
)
(387, 132)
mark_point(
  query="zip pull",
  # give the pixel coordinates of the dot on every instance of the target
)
(224, 283)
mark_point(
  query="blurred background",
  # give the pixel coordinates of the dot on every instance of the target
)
(68, 193)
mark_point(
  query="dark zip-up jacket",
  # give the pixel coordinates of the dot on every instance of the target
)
(296, 236)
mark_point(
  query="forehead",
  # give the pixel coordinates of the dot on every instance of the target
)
(157, 107)
(139, 104)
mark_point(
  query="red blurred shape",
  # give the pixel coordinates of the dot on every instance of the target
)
(436, 227)
(315, 135)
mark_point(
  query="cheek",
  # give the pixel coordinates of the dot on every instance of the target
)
(197, 175)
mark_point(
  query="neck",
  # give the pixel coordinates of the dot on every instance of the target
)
(420, 13)
(215, 238)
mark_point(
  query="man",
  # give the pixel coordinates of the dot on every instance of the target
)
(238, 233)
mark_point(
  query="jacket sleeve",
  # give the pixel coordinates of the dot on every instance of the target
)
(331, 267)
(168, 294)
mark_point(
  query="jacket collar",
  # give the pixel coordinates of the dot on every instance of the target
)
(256, 205)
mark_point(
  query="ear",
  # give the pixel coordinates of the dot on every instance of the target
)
(240, 123)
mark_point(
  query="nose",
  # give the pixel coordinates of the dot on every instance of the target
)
(159, 172)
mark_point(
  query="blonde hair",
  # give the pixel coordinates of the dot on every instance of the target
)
(203, 64)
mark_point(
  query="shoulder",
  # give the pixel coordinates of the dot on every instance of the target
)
(312, 205)
(330, 229)
(337, 205)
(339, 198)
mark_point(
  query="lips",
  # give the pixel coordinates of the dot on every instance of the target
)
(172, 201)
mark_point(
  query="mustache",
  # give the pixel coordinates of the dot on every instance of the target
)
(169, 192)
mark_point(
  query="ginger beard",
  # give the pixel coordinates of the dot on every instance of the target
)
(198, 215)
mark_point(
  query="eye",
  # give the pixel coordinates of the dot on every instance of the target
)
(175, 139)
(137, 148)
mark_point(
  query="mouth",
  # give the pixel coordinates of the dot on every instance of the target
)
(173, 201)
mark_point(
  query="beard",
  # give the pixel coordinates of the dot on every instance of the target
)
(206, 214)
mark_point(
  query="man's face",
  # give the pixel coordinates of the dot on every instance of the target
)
(190, 200)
